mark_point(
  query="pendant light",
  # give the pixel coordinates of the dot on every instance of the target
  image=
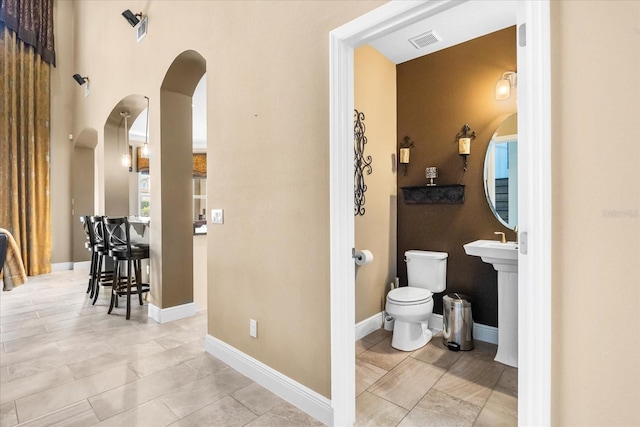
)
(126, 158)
(145, 146)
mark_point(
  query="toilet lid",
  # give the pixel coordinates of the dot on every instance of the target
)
(408, 295)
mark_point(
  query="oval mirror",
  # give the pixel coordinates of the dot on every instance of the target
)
(501, 172)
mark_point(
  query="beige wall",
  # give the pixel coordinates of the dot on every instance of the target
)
(62, 107)
(268, 145)
(268, 154)
(596, 209)
(375, 96)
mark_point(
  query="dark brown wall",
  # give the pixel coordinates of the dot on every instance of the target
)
(437, 95)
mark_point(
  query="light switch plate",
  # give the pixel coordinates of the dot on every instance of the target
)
(217, 216)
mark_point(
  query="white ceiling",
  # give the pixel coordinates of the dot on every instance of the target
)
(465, 21)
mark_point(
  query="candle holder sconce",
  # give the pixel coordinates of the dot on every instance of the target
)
(405, 151)
(431, 173)
(464, 138)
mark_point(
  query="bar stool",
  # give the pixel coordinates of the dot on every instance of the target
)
(122, 250)
(101, 275)
(89, 245)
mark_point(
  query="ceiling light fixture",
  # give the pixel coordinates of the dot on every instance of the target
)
(126, 158)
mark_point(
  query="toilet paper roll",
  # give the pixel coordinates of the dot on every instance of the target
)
(364, 257)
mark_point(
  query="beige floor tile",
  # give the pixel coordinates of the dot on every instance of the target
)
(52, 399)
(26, 386)
(138, 336)
(285, 415)
(112, 359)
(31, 323)
(372, 411)
(198, 394)
(366, 375)
(483, 351)
(8, 415)
(383, 355)
(8, 359)
(438, 409)
(407, 383)
(78, 415)
(257, 398)
(437, 354)
(226, 412)
(181, 338)
(7, 319)
(166, 359)
(377, 336)
(137, 392)
(206, 364)
(362, 346)
(150, 414)
(508, 381)
(22, 333)
(49, 337)
(470, 379)
(500, 410)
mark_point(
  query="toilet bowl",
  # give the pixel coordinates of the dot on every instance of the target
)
(411, 306)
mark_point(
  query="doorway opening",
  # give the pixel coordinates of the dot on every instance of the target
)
(534, 206)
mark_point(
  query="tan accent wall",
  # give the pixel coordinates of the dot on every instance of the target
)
(375, 96)
(596, 213)
(437, 95)
(82, 193)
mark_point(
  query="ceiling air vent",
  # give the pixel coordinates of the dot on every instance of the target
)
(426, 39)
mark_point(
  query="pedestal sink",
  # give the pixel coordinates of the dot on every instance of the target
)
(504, 258)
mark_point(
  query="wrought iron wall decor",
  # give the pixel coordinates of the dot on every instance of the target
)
(361, 163)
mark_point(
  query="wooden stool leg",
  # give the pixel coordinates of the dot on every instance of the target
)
(96, 280)
(128, 289)
(114, 287)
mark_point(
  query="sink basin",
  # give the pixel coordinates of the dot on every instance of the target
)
(503, 256)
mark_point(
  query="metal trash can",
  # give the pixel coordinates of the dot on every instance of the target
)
(457, 322)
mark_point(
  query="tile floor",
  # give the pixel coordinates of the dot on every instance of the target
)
(64, 362)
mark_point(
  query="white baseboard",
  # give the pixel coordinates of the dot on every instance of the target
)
(480, 332)
(84, 265)
(165, 315)
(485, 333)
(369, 325)
(292, 391)
(61, 266)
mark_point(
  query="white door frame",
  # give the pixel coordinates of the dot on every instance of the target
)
(534, 148)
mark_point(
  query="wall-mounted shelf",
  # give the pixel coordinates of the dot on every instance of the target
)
(437, 194)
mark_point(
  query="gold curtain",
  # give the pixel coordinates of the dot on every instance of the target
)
(24, 150)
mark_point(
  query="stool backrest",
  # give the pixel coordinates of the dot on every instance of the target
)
(117, 234)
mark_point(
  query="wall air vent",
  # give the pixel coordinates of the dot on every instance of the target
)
(426, 39)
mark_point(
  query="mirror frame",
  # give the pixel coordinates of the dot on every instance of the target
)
(490, 148)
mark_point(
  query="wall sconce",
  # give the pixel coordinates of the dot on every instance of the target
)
(505, 83)
(464, 138)
(405, 152)
(132, 19)
(79, 79)
(137, 20)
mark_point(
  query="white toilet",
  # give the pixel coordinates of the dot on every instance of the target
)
(411, 306)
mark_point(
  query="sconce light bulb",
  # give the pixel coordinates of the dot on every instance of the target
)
(503, 89)
(145, 150)
(126, 161)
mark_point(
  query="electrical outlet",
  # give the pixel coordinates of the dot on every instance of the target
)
(217, 216)
(253, 328)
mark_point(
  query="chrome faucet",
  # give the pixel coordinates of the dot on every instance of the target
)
(503, 238)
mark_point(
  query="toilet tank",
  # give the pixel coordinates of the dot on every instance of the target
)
(427, 269)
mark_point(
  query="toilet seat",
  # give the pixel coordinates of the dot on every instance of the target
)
(408, 295)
